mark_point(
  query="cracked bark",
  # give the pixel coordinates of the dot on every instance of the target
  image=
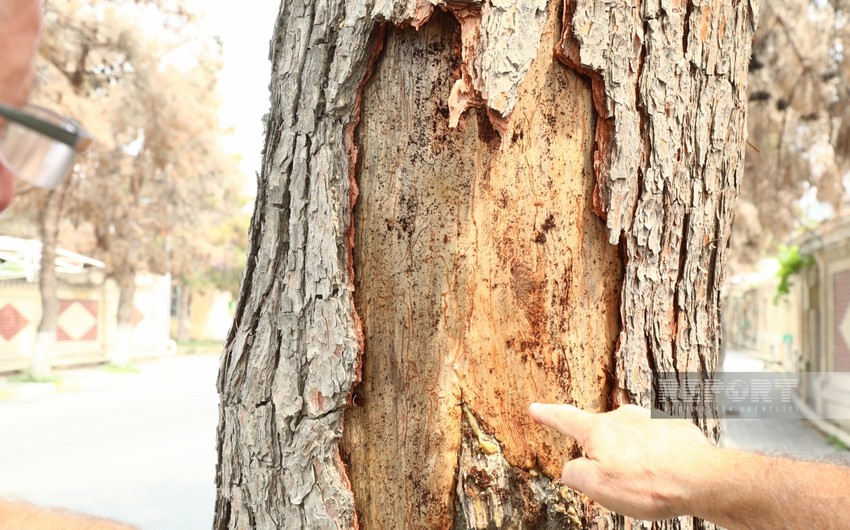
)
(484, 279)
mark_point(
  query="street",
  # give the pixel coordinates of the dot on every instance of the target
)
(780, 437)
(140, 450)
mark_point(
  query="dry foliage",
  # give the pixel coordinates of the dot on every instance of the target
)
(156, 192)
(799, 120)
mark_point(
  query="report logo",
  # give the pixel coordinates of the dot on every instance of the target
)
(727, 395)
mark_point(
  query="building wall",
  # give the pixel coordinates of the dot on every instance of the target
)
(828, 354)
(209, 315)
(761, 326)
(212, 315)
(86, 326)
(151, 315)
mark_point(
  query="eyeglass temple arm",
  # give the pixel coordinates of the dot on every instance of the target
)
(60, 134)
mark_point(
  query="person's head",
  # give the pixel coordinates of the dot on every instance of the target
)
(20, 24)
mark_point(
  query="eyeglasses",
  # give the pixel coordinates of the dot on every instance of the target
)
(39, 145)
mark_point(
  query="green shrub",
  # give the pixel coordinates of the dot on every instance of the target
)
(791, 262)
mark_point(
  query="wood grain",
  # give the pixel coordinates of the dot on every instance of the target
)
(482, 276)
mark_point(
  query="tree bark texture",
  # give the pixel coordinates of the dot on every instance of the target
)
(476, 164)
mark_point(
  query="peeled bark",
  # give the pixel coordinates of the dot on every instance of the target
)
(669, 160)
(476, 168)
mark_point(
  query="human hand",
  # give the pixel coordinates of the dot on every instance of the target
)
(634, 465)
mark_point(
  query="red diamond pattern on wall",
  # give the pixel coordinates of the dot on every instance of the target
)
(138, 316)
(11, 322)
(77, 320)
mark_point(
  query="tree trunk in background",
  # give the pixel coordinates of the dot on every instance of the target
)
(122, 347)
(42, 355)
(536, 200)
(184, 304)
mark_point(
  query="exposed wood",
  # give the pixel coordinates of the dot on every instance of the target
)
(292, 357)
(491, 493)
(482, 276)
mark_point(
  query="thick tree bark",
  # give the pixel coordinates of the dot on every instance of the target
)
(669, 159)
(484, 278)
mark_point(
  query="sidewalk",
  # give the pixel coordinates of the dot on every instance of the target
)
(61, 380)
(141, 449)
(793, 438)
(77, 378)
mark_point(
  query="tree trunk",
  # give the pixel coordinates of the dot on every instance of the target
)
(500, 153)
(123, 344)
(42, 354)
(184, 305)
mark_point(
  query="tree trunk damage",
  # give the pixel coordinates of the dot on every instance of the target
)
(670, 83)
(435, 246)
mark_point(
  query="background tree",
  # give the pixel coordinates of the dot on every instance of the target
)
(163, 173)
(72, 61)
(143, 77)
(212, 257)
(465, 208)
(799, 122)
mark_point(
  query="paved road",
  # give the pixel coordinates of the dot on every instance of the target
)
(141, 450)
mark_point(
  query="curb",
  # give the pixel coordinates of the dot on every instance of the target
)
(821, 424)
(21, 391)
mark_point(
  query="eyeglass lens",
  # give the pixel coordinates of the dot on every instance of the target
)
(33, 157)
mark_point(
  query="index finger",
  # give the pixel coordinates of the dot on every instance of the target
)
(566, 419)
